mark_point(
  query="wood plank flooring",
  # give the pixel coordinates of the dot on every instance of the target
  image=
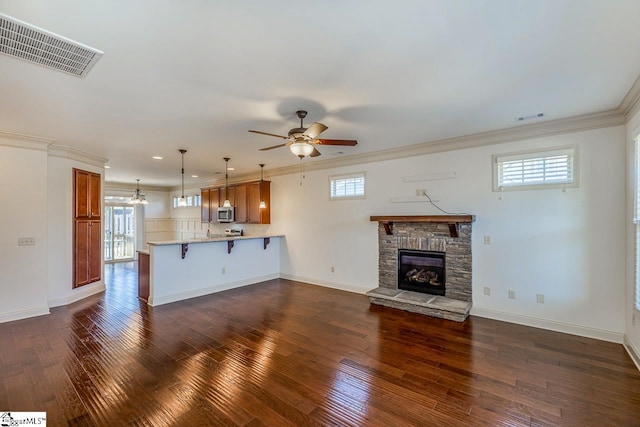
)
(285, 353)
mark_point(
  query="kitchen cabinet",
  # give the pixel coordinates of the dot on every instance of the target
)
(210, 198)
(143, 276)
(245, 197)
(255, 215)
(87, 194)
(240, 202)
(87, 227)
(87, 261)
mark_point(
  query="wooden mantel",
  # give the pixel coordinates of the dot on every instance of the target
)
(453, 221)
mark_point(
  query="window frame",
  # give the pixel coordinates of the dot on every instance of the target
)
(354, 175)
(534, 154)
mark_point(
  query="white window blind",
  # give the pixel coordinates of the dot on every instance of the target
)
(542, 169)
(347, 186)
(636, 220)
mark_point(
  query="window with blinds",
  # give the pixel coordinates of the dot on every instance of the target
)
(636, 220)
(346, 186)
(555, 168)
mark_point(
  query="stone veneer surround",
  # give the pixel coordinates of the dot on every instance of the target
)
(428, 236)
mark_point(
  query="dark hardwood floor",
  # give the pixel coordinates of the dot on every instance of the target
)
(286, 353)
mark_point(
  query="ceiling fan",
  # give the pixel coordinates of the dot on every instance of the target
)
(302, 141)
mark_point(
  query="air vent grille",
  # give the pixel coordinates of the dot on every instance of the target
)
(33, 44)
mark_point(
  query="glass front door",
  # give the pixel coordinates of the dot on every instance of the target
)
(119, 233)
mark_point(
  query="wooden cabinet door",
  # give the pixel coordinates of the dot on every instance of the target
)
(240, 202)
(95, 210)
(95, 253)
(255, 215)
(205, 208)
(86, 193)
(86, 252)
(210, 203)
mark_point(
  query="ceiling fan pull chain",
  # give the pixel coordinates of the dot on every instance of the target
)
(301, 170)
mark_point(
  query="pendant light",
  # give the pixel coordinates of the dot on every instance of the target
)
(138, 199)
(183, 201)
(227, 203)
(263, 205)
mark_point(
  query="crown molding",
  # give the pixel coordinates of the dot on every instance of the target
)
(19, 140)
(517, 133)
(630, 105)
(72, 154)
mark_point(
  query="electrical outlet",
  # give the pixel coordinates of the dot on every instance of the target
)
(487, 290)
(487, 240)
(26, 241)
(540, 298)
(333, 269)
(224, 270)
(512, 294)
(421, 192)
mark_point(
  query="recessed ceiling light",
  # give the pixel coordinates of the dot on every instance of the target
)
(107, 167)
(157, 157)
(194, 176)
(231, 169)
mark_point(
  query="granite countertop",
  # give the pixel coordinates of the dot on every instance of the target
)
(214, 238)
(143, 251)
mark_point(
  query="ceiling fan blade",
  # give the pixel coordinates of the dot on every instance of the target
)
(275, 146)
(315, 153)
(269, 134)
(345, 142)
(315, 129)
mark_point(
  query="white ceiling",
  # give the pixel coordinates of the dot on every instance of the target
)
(198, 74)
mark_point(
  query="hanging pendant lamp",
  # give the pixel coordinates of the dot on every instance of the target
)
(183, 201)
(227, 203)
(138, 198)
(262, 205)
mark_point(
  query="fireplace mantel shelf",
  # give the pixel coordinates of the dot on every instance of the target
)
(453, 221)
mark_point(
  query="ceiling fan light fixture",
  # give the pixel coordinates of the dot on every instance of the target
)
(301, 149)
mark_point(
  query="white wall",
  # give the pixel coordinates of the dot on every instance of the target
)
(59, 187)
(632, 316)
(568, 246)
(23, 269)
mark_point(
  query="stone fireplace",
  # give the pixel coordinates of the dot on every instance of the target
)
(425, 264)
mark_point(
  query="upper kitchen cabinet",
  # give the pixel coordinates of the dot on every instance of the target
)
(239, 202)
(86, 190)
(245, 198)
(210, 198)
(257, 191)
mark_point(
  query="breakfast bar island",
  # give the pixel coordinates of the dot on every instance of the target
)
(176, 270)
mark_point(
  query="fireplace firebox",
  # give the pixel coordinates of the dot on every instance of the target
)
(421, 271)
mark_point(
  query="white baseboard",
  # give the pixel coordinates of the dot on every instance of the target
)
(633, 352)
(77, 294)
(340, 286)
(166, 299)
(23, 314)
(583, 331)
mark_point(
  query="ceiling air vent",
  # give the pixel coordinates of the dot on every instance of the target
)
(33, 44)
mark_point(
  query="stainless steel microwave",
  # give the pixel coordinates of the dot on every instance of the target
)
(225, 214)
